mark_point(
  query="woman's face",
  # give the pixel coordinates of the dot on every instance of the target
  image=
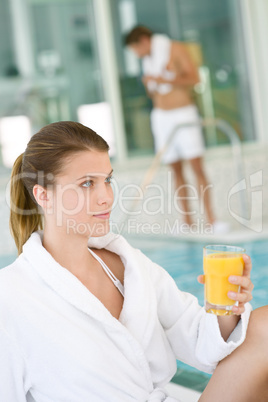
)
(82, 195)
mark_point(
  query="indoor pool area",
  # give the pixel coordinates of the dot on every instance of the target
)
(183, 260)
(162, 112)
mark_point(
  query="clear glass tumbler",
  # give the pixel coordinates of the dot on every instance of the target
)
(219, 263)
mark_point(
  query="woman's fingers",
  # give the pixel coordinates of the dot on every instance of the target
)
(243, 281)
(246, 286)
(248, 265)
(238, 310)
(242, 297)
(201, 279)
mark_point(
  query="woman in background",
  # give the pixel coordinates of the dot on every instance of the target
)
(86, 317)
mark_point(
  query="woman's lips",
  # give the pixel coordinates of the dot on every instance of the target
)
(103, 215)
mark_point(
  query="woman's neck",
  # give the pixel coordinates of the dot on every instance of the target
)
(69, 250)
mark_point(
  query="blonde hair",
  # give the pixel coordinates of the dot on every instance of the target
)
(42, 160)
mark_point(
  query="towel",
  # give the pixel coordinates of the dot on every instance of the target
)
(155, 64)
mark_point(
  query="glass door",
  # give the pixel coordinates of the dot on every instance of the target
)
(66, 56)
(213, 29)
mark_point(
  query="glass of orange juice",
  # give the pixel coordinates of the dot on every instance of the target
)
(219, 263)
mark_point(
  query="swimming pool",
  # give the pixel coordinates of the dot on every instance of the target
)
(183, 260)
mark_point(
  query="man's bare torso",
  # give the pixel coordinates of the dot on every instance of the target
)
(175, 99)
(187, 76)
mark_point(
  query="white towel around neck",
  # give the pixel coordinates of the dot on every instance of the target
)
(155, 64)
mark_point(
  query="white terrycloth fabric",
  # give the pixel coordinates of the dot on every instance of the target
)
(159, 395)
(188, 141)
(155, 64)
(58, 343)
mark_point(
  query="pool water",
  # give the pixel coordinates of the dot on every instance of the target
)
(7, 259)
(183, 261)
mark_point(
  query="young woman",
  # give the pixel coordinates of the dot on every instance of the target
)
(84, 316)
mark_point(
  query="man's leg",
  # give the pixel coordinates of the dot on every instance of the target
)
(182, 189)
(203, 187)
(243, 375)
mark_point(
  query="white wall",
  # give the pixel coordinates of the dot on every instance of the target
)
(255, 17)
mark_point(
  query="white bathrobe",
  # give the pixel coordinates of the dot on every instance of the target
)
(58, 343)
(155, 64)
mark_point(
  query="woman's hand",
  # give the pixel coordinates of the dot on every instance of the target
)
(245, 294)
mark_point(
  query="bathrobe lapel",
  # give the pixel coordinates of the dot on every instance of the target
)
(135, 320)
(63, 281)
(138, 301)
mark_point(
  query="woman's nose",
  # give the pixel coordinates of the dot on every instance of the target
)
(105, 196)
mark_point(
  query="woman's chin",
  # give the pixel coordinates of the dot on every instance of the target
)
(100, 230)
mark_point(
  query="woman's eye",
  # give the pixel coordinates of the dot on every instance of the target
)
(109, 179)
(87, 184)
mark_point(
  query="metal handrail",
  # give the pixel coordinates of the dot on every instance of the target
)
(226, 129)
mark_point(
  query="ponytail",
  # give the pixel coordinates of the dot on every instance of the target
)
(24, 216)
(44, 159)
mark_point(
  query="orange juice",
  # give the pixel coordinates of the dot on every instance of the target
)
(217, 269)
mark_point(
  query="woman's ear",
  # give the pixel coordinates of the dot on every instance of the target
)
(42, 197)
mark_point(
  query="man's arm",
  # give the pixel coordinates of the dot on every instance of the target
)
(182, 65)
(145, 80)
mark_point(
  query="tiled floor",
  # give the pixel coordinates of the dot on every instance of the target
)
(157, 210)
(156, 204)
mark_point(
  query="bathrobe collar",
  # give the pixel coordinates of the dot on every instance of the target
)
(137, 304)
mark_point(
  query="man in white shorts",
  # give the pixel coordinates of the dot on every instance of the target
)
(187, 143)
(169, 75)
